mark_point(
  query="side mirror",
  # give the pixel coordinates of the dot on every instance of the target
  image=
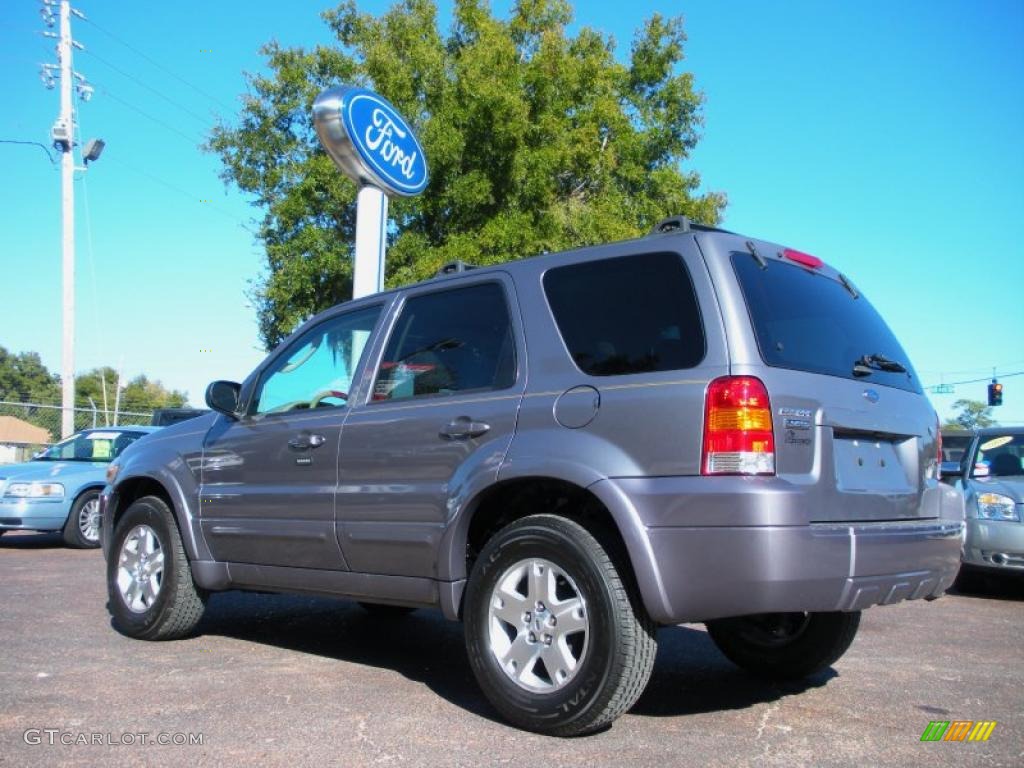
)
(951, 468)
(222, 396)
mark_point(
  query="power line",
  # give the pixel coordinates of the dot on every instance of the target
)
(205, 121)
(180, 191)
(160, 66)
(32, 143)
(976, 381)
(191, 139)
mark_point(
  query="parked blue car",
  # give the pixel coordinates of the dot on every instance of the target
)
(59, 489)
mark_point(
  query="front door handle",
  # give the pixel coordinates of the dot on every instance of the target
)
(463, 427)
(305, 442)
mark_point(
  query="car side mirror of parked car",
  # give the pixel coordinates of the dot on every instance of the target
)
(222, 396)
(951, 468)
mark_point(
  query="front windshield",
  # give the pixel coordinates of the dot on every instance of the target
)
(1000, 455)
(96, 445)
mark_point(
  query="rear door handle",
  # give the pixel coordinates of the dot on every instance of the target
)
(305, 442)
(463, 427)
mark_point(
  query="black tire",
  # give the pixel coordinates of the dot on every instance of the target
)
(620, 641)
(382, 611)
(72, 533)
(785, 646)
(178, 605)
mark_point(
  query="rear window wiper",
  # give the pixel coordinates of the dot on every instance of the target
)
(867, 364)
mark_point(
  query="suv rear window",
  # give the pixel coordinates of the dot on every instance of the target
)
(632, 314)
(807, 321)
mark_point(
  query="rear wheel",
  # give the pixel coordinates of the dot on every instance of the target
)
(151, 592)
(785, 646)
(82, 529)
(557, 640)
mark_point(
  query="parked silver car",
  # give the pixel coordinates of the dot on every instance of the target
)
(564, 452)
(992, 477)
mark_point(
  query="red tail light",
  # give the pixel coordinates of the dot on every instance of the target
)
(738, 438)
(803, 258)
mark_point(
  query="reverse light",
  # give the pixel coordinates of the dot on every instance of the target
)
(738, 437)
(995, 506)
(35, 491)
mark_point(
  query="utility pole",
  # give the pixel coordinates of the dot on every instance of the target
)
(67, 211)
(63, 135)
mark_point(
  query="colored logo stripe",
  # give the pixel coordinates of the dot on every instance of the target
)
(982, 730)
(958, 730)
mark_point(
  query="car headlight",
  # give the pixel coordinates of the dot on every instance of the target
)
(995, 506)
(35, 490)
(112, 469)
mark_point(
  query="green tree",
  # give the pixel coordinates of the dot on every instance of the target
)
(144, 394)
(537, 140)
(24, 378)
(974, 414)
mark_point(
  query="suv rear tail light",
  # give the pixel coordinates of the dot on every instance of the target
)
(738, 438)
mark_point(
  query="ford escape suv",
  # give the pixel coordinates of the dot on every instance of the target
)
(564, 452)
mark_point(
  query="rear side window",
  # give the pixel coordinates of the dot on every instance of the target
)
(447, 342)
(633, 314)
(807, 321)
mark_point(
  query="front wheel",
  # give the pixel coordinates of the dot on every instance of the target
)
(151, 592)
(82, 529)
(556, 637)
(785, 646)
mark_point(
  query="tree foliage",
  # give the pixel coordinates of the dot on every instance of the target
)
(24, 379)
(973, 414)
(537, 140)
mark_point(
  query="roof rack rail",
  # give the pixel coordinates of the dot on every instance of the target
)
(683, 224)
(454, 268)
(671, 224)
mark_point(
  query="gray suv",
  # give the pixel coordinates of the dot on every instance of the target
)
(563, 452)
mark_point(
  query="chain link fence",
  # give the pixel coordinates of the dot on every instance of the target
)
(38, 425)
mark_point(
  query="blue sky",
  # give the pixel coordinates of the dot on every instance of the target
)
(884, 137)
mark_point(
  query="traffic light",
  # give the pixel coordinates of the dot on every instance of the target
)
(995, 393)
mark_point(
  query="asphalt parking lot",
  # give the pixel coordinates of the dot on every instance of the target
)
(285, 680)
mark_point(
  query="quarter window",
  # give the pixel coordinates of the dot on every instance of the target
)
(316, 371)
(632, 314)
(447, 342)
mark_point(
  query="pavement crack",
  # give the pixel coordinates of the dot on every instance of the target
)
(768, 712)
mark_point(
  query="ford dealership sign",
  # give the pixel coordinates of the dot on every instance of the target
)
(370, 141)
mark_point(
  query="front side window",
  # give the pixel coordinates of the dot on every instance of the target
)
(632, 314)
(448, 342)
(317, 369)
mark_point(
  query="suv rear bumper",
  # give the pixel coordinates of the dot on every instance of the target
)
(701, 572)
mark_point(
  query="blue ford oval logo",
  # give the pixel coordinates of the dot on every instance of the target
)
(871, 395)
(384, 141)
(369, 140)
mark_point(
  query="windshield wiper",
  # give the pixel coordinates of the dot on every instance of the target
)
(868, 364)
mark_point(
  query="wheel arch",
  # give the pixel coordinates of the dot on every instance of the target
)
(133, 488)
(597, 505)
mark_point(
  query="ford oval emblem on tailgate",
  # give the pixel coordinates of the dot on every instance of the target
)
(870, 395)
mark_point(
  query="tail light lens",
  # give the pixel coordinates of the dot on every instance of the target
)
(938, 442)
(738, 437)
